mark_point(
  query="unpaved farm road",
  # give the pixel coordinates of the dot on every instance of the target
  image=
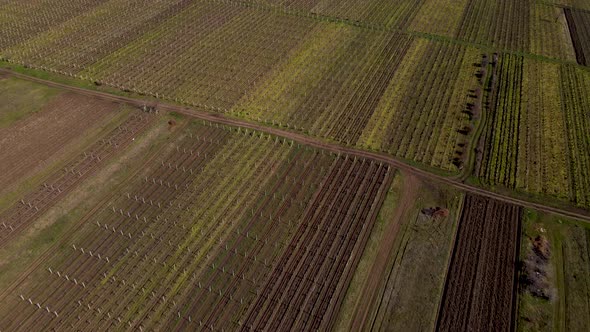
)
(361, 317)
(223, 119)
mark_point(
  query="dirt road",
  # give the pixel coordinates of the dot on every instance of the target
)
(373, 283)
(315, 142)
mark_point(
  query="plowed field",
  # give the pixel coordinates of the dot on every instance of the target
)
(479, 292)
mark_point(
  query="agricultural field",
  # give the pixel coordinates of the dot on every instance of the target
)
(549, 32)
(401, 291)
(574, 4)
(272, 165)
(215, 230)
(32, 125)
(554, 274)
(416, 279)
(50, 142)
(538, 131)
(479, 289)
(503, 23)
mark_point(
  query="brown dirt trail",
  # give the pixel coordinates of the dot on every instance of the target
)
(375, 278)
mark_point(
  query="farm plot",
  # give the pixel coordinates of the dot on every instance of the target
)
(579, 27)
(577, 4)
(44, 129)
(439, 17)
(209, 64)
(504, 24)
(575, 253)
(536, 138)
(203, 237)
(332, 84)
(21, 99)
(549, 32)
(371, 13)
(85, 39)
(531, 26)
(348, 85)
(502, 107)
(391, 14)
(21, 214)
(423, 121)
(555, 270)
(21, 20)
(479, 288)
(413, 282)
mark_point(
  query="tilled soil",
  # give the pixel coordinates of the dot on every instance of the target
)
(579, 33)
(479, 289)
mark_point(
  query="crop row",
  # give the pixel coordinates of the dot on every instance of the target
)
(194, 238)
(503, 23)
(537, 130)
(480, 281)
(21, 214)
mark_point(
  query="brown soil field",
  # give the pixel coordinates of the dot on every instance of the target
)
(37, 141)
(480, 287)
(18, 216)
(313, 273)
(223, 228)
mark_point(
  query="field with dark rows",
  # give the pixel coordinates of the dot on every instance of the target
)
(479, 291)
(305, 165)
(223, 228)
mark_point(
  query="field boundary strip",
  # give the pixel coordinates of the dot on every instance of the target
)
(315, 142)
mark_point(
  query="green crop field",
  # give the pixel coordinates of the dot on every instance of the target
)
(539, 133)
